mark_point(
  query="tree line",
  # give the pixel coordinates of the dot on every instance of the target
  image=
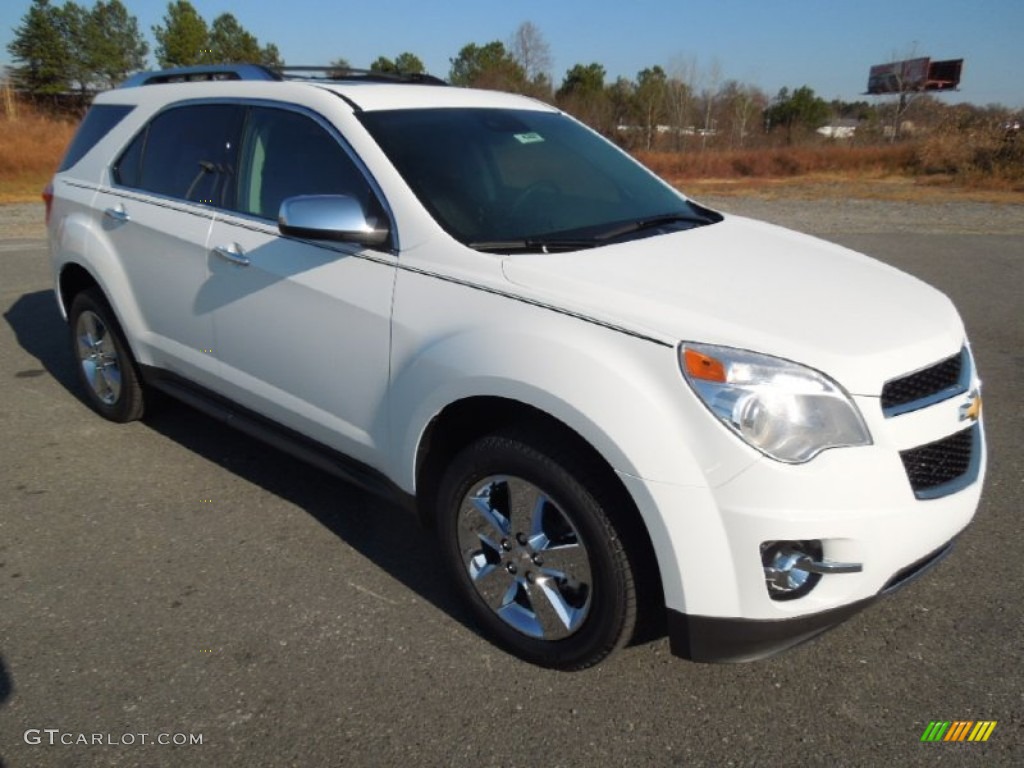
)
(65, 47)
(58, 48)
(69, 46)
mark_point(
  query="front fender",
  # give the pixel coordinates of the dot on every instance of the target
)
(623, 394)
(613, 408)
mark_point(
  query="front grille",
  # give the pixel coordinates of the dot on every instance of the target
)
(924, 387)
(935, 469)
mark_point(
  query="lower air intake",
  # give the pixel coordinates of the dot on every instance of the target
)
(943, 467)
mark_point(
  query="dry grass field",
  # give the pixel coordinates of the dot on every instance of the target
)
(984, 169)
(31, 145)
(782, 162)
(848, 186)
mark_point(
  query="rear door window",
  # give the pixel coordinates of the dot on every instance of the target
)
(189, 153)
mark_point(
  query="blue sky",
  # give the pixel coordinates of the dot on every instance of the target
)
(825, 44)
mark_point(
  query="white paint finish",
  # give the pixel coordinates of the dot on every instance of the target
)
(162, 253)
(362, 355)
(624, 395)
(708, 540)
(755, 286)
(71, 218)
(302, 334)
(857, 501)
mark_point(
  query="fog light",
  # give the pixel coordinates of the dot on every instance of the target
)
(785, 571)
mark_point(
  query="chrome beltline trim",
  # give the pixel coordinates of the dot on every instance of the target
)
(219, 213)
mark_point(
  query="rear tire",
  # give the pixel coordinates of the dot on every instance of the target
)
(525, 533)
(103, 361)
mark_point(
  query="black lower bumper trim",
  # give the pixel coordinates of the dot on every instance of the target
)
(714, 639)
(717, 639)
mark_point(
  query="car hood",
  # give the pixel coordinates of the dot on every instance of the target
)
(760, 287)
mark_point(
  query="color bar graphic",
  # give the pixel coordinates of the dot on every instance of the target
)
(959, 730)
(935, 730)
(982, 730)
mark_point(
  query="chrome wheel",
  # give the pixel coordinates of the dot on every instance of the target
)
(98, 357)
(524, 557)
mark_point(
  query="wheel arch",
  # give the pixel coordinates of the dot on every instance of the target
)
(464, 421)
(621, 396)
(72, 280)
(88, 259)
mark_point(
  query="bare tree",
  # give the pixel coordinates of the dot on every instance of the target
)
(905, 83)
(742, 105)
(10, 106)
(531, 50)
(680, 91)
(711, 80)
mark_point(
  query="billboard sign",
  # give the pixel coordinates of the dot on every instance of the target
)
(921, 74)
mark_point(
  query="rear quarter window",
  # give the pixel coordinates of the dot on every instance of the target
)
(98, 122)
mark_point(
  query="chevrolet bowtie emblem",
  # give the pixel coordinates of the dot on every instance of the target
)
(971, 410)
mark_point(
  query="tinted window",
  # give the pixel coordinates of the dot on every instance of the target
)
(126, 169)
(504, 175)
(190, 153)
(97, 124)
(285, 153)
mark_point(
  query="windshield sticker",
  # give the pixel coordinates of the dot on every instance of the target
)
(528, 138)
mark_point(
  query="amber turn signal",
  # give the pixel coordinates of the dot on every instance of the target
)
(704, 367)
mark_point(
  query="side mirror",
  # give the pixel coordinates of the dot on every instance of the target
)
(330, 217)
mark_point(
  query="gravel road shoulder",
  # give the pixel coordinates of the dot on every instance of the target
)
(22, 220)
(825, 217)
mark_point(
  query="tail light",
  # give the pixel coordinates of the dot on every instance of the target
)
(48, 199)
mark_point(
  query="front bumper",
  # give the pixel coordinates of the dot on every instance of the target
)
(857, 502)
(717, 639)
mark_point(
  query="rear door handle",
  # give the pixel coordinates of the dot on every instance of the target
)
(117, 214)
(232, 254)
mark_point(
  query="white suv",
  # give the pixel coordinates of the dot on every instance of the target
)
(609, 401)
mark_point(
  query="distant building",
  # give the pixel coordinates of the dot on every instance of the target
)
(907, 128)
(844, 128)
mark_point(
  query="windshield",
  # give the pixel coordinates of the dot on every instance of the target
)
(507, 180)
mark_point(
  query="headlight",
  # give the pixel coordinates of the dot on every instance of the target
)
(782, 409)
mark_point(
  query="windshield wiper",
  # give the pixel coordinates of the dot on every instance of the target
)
(559, 245)
(532, 245)
(653, 223)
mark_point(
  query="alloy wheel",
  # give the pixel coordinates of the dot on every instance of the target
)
(97, 355)
(525, 557)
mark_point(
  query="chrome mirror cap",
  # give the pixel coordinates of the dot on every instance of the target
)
(330, 217)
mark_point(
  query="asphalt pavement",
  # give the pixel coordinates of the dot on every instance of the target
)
(173, 580)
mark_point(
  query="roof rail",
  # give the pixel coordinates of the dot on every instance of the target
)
(333, 73)
(200, 73)
(326, 74)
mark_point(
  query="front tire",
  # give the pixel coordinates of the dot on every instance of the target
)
(103, 361)
(526, 533)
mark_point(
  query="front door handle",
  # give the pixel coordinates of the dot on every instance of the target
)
(232, 254)
(118, 214)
